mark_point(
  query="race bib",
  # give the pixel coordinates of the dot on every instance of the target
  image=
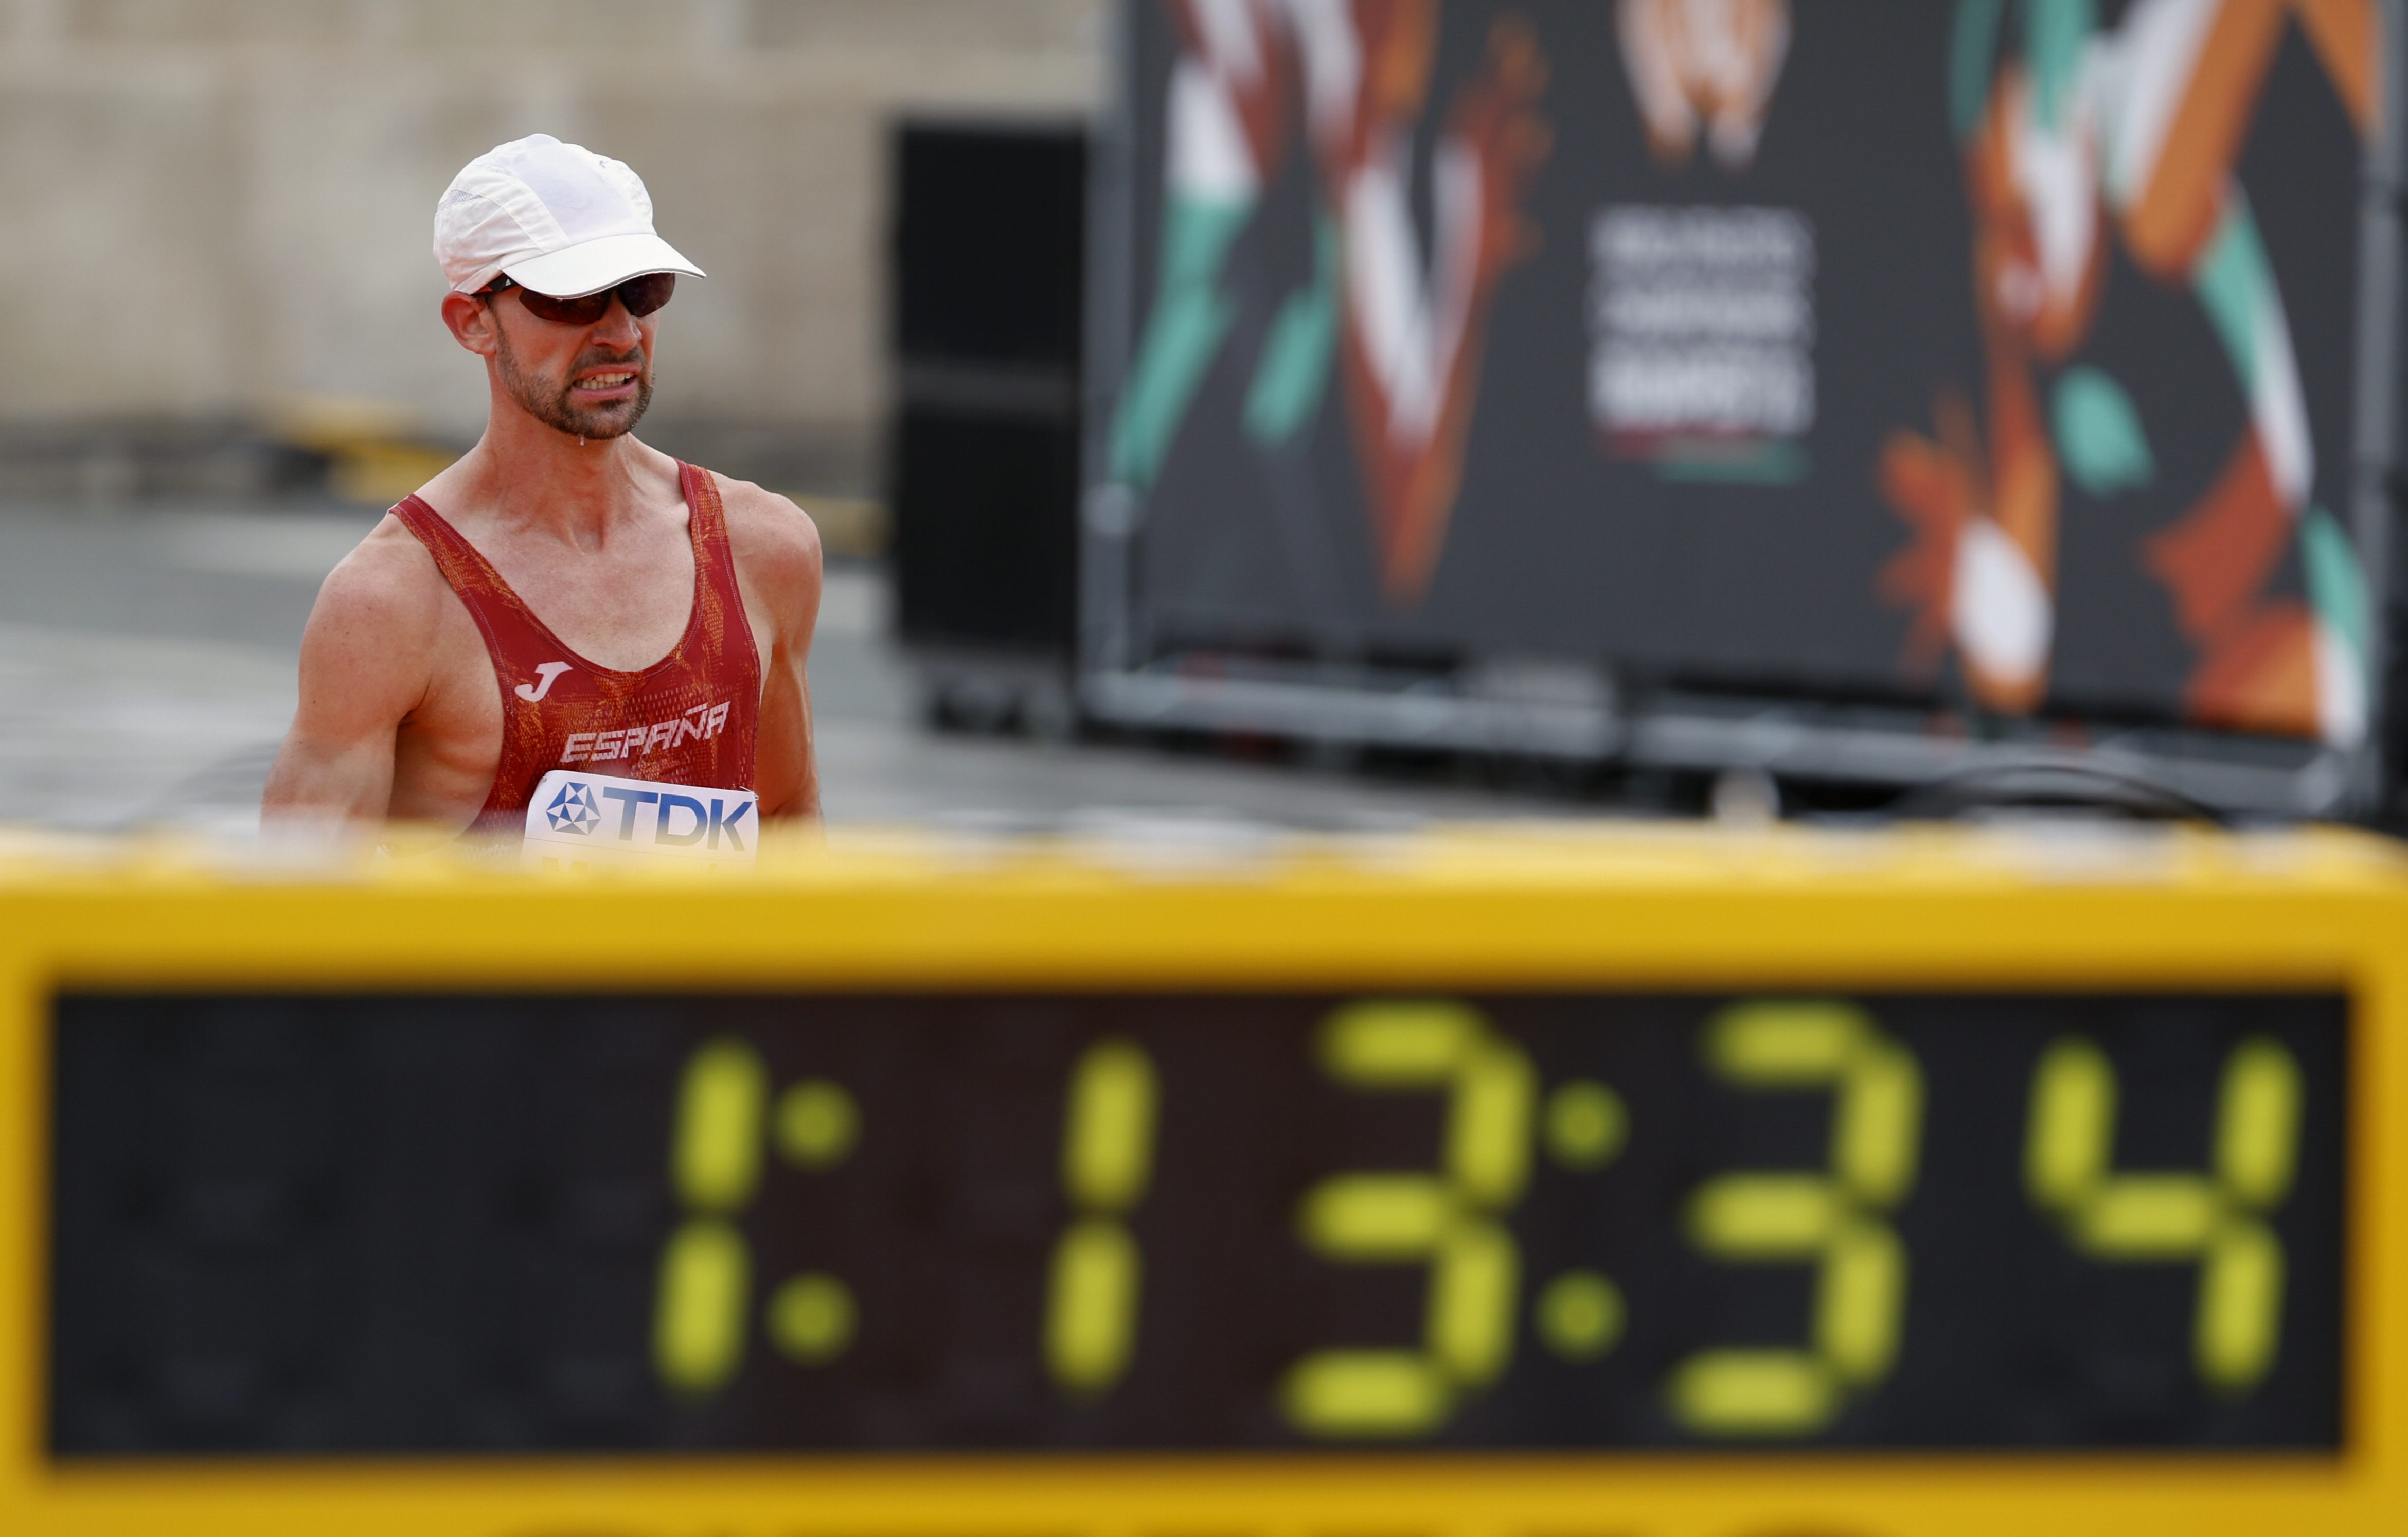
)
(593, 819)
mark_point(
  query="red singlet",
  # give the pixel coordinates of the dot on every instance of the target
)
(690, 718)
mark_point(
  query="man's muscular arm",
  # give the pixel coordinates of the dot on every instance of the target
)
(777, 550)
(363, 668)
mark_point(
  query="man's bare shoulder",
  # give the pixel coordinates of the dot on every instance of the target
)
(774, 539)
(388, 588)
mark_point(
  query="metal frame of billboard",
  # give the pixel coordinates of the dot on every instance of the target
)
(1579, 711)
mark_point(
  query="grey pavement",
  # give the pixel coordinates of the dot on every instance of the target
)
(146, 658)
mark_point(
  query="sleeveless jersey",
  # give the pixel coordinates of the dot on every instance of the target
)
(690, 718)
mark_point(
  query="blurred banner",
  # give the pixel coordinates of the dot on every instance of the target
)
(1990, 356)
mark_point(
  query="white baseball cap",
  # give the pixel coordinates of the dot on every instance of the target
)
(553, 217)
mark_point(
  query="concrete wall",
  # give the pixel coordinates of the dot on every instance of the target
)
(220, 209)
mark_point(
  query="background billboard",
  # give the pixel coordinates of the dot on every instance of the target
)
(1986, 354)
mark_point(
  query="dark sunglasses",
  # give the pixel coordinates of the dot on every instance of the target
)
(641, 295)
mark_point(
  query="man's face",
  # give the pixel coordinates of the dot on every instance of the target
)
(587, 381)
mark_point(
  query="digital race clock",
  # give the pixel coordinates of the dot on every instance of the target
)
(1652, 1185)
(440, 1223)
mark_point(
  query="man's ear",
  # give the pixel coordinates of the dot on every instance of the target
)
(472, 324)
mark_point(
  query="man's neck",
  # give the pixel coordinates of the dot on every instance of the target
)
(531, 476)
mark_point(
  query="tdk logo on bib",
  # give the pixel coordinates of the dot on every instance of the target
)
(572, 810)
(578, 819)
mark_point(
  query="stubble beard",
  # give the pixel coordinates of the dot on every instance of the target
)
(555, 405)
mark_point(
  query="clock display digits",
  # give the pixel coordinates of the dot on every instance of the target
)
(1202, 1222)
(2162, 1216)
(1448, 1221)
(705, 1280)
(1107, 1158)
(1834, 1220)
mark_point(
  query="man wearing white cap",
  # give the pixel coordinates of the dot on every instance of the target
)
(562, 600)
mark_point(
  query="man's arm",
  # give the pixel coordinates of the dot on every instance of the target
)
(777, 552)
(363, 668)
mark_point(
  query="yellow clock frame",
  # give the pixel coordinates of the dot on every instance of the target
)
(1598, 908)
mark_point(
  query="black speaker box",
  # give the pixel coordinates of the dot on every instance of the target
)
(990, 224)
(989, 240)
(985, 550)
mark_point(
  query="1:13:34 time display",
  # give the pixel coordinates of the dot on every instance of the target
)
(1835, 1221)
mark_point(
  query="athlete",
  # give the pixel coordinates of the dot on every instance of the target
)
(562, 595)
